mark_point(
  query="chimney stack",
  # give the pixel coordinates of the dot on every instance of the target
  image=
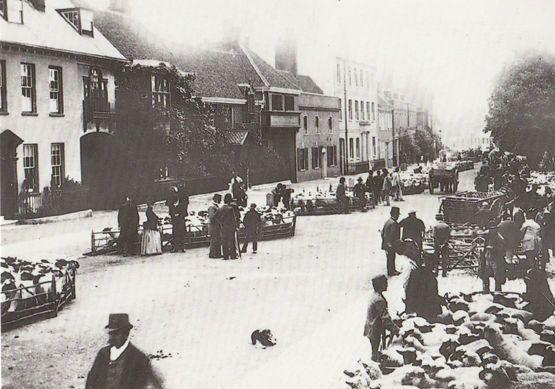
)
(286, 55)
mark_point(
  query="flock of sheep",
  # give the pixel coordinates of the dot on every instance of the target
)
(480, 341)
(26, 285)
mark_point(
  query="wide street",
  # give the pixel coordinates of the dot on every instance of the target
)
(310, 290)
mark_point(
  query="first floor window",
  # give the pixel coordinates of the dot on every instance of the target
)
(28, 92)
(374, 147)
(317, 124)
(3, 94)
(57, 161)
(277, 102)
(358, 148)
(330, 125)
(356, 109)
(305, 124)
(160, 88)
(30, 167)
(351, 148)
(340, 109)
(331, 153)
(289, 103)
(350, 109)
(302, 159)
(55, 87)
(368, 111)
(316, 158)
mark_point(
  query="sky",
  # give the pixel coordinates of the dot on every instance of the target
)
(454, 49)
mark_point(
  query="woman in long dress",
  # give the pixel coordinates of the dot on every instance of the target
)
(152, 242)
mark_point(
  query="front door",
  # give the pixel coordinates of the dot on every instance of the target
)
(8, 200)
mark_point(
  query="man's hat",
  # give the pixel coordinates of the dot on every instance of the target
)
(379, 280)
(412, 211)
(395, 209)
(118, 321)
(359, 179)
(439, 216)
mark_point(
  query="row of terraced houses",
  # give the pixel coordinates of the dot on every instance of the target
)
(59, 61)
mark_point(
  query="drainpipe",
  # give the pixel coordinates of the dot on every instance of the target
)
(346, 155)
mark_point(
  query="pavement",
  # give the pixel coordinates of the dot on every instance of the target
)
(310, 290)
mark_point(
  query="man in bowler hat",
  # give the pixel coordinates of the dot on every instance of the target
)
(120, 364)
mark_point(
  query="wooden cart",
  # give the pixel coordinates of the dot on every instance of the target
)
(462, 207)
(105, 242)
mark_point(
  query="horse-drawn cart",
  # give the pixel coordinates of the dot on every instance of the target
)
(462, 207)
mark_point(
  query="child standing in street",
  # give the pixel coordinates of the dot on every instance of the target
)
(377, 316)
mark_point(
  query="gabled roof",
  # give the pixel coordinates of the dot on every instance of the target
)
(273, 77)
(218, 73)
(303, 83)
(308, 85)
(131, 38)
(49, 30)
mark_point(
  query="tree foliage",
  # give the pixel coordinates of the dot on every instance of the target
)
(521, 115)
(422, 143)
(181, 134)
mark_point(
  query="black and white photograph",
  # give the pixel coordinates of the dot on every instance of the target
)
(258, 194)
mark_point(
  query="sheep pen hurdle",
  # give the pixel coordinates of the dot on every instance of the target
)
(105, 241)
(17, 311)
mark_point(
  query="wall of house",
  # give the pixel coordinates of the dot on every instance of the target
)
(43, 128)
(323, 107)
(365, 90)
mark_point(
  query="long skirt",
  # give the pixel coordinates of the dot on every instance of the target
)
(151, 243)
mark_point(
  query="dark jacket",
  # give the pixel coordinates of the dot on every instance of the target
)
(359, 190)
(413, 228)
(510, 232)
(226, 218)
(251, 221)
(151, 220)
(128, 216)
(370, 184)
(340, 191)
(421, 294)
(391, 233)
(136, 370)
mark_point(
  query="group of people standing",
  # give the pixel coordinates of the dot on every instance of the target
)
(384, 185)
(224, 221)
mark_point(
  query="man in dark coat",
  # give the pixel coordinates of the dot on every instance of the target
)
(359, 193)
(120, 364)
(128, 221)
(378, 183)
(251, 221)
(442, 233)
(214, 228)
(390, 237)
(226, 217)
(421, 292)
(510, 232)
(413, 228)
(371, 186)
(180, 212)
(341, 196)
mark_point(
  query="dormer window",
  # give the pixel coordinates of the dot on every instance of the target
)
(12, 10)
(80, 19)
